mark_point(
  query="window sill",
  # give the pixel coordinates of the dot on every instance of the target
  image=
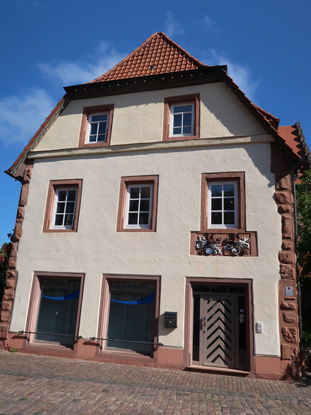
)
(181, 138)
(135, 230)
(49, 346)
(125, 355)
(59, 230)
(84, 145)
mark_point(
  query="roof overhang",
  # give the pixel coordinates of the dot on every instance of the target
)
(148, 83)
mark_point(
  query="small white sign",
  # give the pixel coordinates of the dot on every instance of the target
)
(258, 327)
(289, 291)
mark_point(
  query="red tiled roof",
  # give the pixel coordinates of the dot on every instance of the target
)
(157, 55)
(292, 134)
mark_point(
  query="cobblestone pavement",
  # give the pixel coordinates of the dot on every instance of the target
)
(46, 385)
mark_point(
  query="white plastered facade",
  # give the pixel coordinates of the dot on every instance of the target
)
(97, 248)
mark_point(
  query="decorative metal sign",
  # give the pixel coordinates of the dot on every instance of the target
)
(230, 244)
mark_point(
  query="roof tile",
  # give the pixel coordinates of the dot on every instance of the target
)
(158, 51)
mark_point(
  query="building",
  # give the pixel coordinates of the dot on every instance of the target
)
(155, 224)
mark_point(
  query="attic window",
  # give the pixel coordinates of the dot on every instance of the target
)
(181, 117)
(96, 126)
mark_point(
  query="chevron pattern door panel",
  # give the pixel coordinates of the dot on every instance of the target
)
(218, 334)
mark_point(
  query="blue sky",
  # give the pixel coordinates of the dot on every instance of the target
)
(47, 45)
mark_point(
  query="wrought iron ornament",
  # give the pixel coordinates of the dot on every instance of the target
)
(230, 245)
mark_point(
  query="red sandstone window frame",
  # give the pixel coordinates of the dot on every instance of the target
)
(89, 111)
(34, 303)
(105, 309)
(55, 185)
(239, 179)
(169, 102)
(122, 210)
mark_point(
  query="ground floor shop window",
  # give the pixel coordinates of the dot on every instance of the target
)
(131, 312)
(54, 309)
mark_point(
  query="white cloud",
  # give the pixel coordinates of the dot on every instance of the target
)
(21, 116)
(211, 24)
(78, 72)
(172, 26)
(241, 74)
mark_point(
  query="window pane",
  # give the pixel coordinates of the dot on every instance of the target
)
(70, 207)
(145, 192)
(216, 190)
(102, 128)
(187, 130)
(144, 219)
(101, 137)
(62, 195)
(68, 220)
(133, 217)
(229, 218)
(182, 108)
(101, 117)
(177, 120)
(60, 207)
(57, 317)
(92, 139)
(176, 130)
(228, 203)
(130, 322)
(71, 195)
(228, 190)
(216, 204)
(216, 218)
(133, 205)
(134, 192)
(144, 206)
(58, 220)
(94, 128)
(188, 119)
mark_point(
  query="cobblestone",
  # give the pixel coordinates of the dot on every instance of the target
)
(40, 385)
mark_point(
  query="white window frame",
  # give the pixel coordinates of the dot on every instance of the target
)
(63, 226)
(235, 210)
(90, 122)
(127, 208)
(182, 121)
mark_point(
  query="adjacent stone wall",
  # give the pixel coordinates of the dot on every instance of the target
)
(289, 322)
(11, 276)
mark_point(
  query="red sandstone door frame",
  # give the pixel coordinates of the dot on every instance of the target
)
(188, 336)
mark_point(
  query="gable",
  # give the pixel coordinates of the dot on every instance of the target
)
(159, 67)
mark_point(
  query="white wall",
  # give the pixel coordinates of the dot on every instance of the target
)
(98, 249)
(138, 118)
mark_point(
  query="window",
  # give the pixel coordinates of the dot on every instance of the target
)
(129, 312)
(181, 117)
(223, 201)
(138, 203)
(96, 126)
(55, 308)
(181, 122)
(97, 129)
(63, 203)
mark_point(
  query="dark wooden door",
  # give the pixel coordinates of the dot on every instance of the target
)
(219, 330)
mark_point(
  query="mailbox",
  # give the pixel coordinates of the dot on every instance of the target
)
(170, 319)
